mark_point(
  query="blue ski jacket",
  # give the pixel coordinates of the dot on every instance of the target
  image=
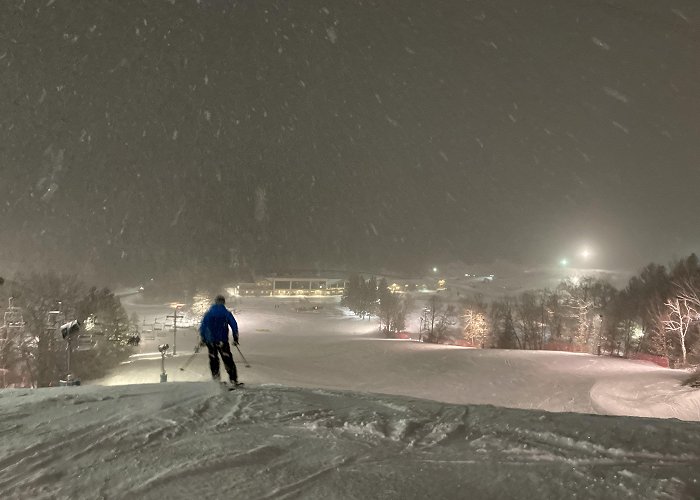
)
(215, 323)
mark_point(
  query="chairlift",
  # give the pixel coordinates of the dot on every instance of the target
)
(12, 318)
(84, 342)
(54, 319)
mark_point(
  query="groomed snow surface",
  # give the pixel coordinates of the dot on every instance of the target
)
(331, 411)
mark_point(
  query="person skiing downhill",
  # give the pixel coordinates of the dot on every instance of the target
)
(213, 333)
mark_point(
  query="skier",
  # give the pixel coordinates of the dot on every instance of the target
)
(213, 333)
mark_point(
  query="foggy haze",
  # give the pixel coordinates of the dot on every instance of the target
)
(137, 137)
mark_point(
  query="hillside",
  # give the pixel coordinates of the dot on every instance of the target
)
(190, 440)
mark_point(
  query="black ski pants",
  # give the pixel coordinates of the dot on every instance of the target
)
(223, 349)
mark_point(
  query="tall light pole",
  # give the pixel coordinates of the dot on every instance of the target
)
(175, 330)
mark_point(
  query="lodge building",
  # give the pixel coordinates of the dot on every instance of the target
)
(292, 285)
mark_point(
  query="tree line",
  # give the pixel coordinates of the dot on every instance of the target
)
(32, 349)
(656, 314)
(368, 297)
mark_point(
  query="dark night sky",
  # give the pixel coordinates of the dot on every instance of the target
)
(142, 136)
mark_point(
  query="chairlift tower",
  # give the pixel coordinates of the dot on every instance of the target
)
(12, 328)
(13, 318)
(175, 317)
(54, 319)
(13, 321)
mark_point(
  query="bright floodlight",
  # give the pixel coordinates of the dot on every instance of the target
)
(585, 253)
(435, 269)
(564, 262)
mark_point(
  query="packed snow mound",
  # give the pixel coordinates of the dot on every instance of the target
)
(193, 440)
(654, 394)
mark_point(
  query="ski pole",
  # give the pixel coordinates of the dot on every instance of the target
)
(189, 360)
(247, 365)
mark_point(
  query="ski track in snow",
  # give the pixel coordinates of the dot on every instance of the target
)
(182, 440)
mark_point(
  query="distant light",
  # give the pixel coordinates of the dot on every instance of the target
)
(586, 253)
(564, 262)
(435, 269)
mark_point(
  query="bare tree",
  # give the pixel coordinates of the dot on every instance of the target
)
(475, 319)
(476, 328)
(688, 300)
(437, 319)
(554, 315)
(657, 340)
(681, 314)
(447, 318)
(391, 310)
(688, 291)
(530, 314)
(689, 288)
(430, 315)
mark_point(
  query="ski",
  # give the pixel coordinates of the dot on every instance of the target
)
(232, 387)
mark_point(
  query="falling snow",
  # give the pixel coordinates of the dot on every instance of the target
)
(616, 94)
(621, 127)
(681, 15)
(332, 34)
(600, 43)
(161, 105)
